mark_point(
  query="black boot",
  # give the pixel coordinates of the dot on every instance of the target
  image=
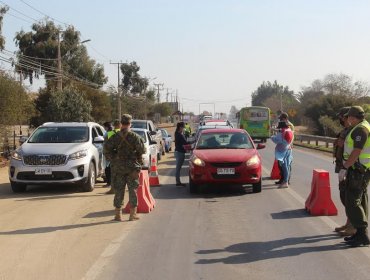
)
(361, 238)
(278, 182)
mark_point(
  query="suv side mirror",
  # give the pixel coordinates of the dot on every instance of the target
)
(153, 133)
(22, 139)
(152, 142)
(98, 139)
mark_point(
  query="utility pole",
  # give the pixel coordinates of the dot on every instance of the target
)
(159, 95)
(60, 85)
(119, 109)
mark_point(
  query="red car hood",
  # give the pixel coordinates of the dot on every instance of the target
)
(226, 155)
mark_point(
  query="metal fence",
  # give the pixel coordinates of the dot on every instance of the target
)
(10, 138)
(315, 140)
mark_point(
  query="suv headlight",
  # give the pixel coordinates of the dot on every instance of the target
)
(16, 155)
(253, 161)
(77, 155)
(198, 161)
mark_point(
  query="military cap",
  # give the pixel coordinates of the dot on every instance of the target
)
(283, 115)
(116, 122)
(343, 111)
(355, 111)
(126, 119)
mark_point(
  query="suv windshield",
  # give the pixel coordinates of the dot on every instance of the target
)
(60, 135)
(138, 124)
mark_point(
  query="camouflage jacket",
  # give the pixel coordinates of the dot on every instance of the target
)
(125, 150)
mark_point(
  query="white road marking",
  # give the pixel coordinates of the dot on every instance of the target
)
(97, 268)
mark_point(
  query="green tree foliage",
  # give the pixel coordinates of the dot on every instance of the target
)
(3, 10)
(16, 106)
(274, 96)
(38, 53)
(162, 108)
(68, 105)
(101, 105)
(323, 99)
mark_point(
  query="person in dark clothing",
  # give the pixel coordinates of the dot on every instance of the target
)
(180, 141)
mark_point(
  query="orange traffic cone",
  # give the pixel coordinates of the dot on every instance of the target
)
(153, 176)
(275, 172)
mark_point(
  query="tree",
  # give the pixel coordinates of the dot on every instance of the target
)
(16, 106)
(3, 10)
(162, 108)
(233, 112)
(69, 105)
(38, 53)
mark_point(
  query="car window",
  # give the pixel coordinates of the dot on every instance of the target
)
(94, 133)
(232, 140)
(138, 125)
(164, 133)
(60, 135)
(141, 133)
(99, 130)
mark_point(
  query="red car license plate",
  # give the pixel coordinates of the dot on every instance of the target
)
(225, 171)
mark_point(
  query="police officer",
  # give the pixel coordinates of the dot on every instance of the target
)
(356, 171)
(347, 229)
(125, 150)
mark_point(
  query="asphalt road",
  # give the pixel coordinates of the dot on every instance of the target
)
(58, 233)
(224, 234)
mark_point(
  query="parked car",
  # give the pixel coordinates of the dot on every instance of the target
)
(225, 156)
(67, 152)
(154, 131)
(150, 145)
(167, 140)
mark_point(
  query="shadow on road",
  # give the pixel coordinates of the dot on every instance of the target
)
(250, 252)
(290, 214)
(100, 214)
(39, 230)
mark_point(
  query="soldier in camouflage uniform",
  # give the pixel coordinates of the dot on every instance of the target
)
(125, 150)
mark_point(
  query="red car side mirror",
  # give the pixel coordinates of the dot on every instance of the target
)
(261, 146)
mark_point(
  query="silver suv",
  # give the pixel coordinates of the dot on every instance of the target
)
(68, 152)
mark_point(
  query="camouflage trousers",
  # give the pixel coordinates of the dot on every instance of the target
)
(119, 182)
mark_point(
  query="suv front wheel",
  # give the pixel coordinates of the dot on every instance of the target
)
(18, 187)
(89, 184)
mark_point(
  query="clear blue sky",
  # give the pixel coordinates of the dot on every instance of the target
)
(216, 51)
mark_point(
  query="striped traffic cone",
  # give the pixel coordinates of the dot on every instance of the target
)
(153, 176)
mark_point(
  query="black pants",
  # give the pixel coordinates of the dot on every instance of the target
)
(108, 174)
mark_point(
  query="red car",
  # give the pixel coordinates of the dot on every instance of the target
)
(225, 156)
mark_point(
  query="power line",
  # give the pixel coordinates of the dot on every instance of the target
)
(23, 14)
(10, 14)
(37, 10)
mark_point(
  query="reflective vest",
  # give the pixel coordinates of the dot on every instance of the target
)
(364, 157)
(112, 132)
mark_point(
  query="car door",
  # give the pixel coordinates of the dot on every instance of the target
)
(97, 131)
(153, 148)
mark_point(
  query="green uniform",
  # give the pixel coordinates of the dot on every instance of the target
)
(338, 155)
(125, 150)
(358, 175)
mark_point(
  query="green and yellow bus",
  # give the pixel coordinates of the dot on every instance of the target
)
(256, 121)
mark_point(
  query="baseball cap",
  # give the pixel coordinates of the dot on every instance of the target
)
(355, 111)
(343, 111)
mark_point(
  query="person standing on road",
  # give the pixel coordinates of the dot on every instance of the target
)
(180, 141)
(347, 229)
(187, 130)
(116, 128)
(356, 173)
(125, 150)
(284, 118)
(283, 151)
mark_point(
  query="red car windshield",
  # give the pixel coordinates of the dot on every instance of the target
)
(230, 140)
